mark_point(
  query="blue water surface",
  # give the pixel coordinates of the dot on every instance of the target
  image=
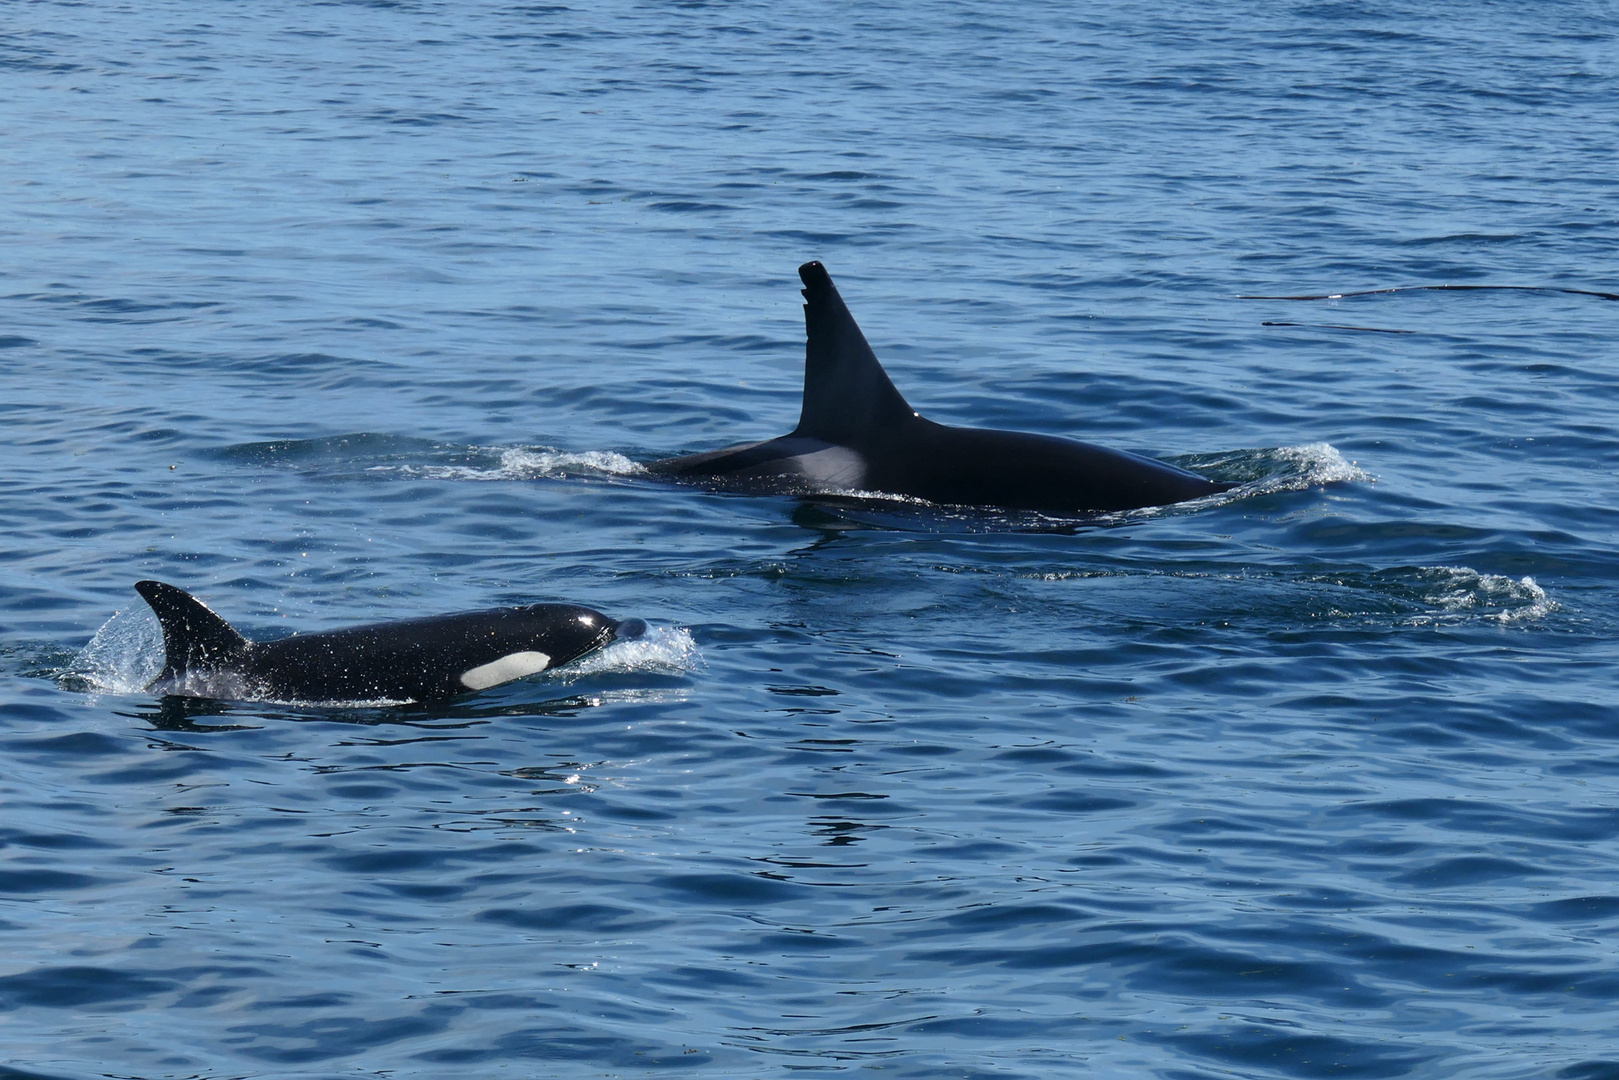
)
(340, 312)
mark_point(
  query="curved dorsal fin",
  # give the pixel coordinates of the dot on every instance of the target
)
(846, 391)
(193, 636)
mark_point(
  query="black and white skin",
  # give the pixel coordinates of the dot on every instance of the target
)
(427, 659)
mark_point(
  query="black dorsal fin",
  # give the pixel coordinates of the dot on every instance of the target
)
(847, 394)
(193, 636)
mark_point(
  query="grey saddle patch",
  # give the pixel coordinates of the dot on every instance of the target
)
(834, 467)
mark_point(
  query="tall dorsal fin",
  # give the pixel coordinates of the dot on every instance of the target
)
(193, 636)
(846, 391)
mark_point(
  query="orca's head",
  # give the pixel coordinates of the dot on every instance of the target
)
(566, 632)
(515, 642)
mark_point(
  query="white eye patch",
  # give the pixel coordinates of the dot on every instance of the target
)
(512, 666)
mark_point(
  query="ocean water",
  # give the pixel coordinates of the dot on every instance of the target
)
(342, 312)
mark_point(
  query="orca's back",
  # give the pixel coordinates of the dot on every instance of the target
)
(1017, 470)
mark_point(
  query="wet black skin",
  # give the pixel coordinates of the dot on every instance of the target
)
(864, 436)
(409, 660)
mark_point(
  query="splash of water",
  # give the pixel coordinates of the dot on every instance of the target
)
(124, 656)
(661, 650)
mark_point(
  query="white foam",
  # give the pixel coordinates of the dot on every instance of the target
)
(670, 651)
(527, 463)
(1321, 463)
(1461, 590)
(546, 462)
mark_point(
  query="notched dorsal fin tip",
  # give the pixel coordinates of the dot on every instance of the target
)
(847, 394)
(814, 277)
(193, 636)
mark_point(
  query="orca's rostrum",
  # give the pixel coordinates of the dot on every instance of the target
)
(856, 433)
(423, 659)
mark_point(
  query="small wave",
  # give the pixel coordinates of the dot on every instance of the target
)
(1404, 596)
(1460, 590)
(1321, 463)
(1431, 595)
(525, 463)
(1267, 470)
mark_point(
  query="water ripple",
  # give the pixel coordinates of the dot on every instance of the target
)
(374, 313)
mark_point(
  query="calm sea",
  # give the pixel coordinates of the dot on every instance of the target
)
(341, 312)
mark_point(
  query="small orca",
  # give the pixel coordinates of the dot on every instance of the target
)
(411, 660)
(857, 434)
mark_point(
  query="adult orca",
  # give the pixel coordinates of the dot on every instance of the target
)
(411, 660)
(857, 433)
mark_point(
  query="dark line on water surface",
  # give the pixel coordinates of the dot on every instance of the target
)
(1443, 288)
(1335, 326)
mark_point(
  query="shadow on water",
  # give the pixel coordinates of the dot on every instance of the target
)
(358, 446)
(1293, 1051)
(7, 1073)
(831, 515)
